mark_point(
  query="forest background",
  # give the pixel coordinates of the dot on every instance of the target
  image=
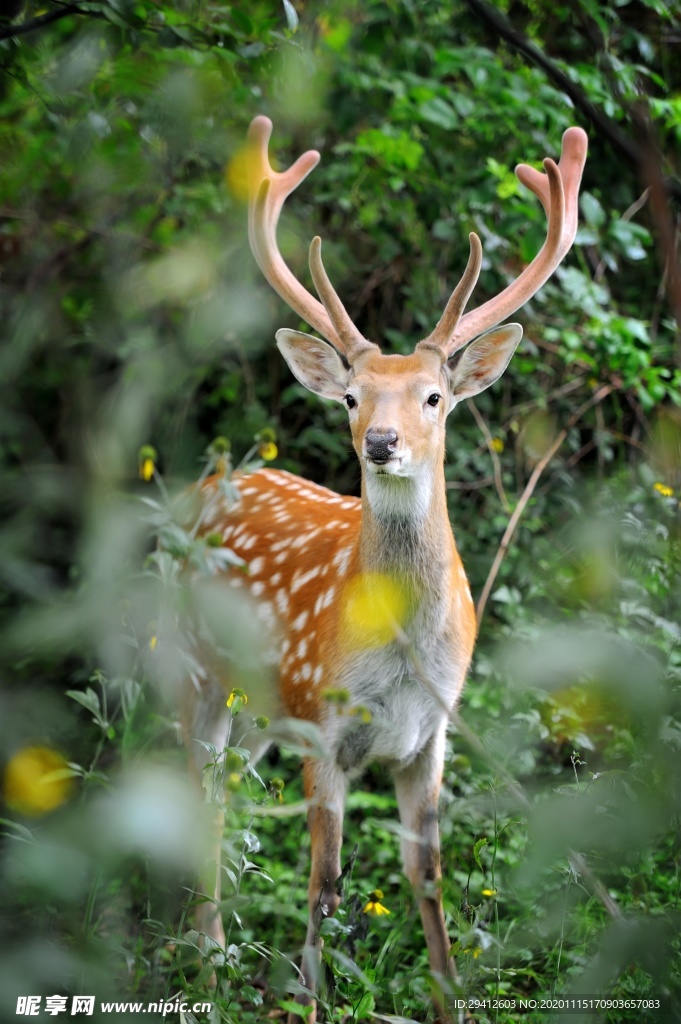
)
(137, 330)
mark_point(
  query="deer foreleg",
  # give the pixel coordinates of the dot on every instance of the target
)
(325, 789)
(417, 788)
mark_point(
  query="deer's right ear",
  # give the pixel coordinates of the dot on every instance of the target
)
(317, 365)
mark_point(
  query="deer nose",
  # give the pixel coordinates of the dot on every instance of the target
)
(380, 445)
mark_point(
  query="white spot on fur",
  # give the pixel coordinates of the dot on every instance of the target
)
(299, 623)
(342, 559)
(300, 579)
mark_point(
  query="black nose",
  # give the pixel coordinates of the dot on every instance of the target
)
(380, 445)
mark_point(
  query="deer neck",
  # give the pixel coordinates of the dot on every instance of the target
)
(406, 529)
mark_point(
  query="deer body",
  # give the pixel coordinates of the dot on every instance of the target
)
(369, 596)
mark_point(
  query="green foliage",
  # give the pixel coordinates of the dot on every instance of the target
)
(134, 314)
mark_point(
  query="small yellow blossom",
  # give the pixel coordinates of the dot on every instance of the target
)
(497, 445)
(152, 643)
(475, 951)
(241, 173)
(374, 607)
(374, 906)
(146, 460)
(236, 700)
(37, 780)
(663, 489)
(361, 712)
(268, 451)
(489, 892)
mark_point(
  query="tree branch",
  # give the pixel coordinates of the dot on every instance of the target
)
(527, 494)
(621, 141)
(24, 27)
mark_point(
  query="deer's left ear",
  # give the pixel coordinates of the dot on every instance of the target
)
(482, 362)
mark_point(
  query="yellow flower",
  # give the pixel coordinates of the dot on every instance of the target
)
(374, 906)
(37, 780)
(489, 892)
(496, 444)
(242, 171)
(268, 451)
(374, 607)
(152, 643)
(664, 490)
(237, 699)
(362, 712)
(146, 459)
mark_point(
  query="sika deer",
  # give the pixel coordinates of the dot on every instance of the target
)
(318, 561)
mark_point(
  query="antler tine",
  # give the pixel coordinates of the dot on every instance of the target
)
(449, 320)
(268, 192)
(348, 335)
(558, 191)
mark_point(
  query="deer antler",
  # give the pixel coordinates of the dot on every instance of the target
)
(268, 192)
(558, 191)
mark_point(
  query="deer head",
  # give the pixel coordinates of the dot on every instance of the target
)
(397, 405)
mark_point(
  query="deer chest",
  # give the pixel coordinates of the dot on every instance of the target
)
(392, 711)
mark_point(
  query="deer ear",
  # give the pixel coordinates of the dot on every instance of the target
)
(482, 362)
(317, 365)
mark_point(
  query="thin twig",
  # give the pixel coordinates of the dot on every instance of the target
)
(559, 392)
(630, 212)
(484, 430)
(469, 485)
(602, 393)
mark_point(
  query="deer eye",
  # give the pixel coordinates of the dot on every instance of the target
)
(434, 399)
(349, 401)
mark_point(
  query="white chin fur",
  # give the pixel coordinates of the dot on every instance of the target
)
(397, 495)
(392, 468)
